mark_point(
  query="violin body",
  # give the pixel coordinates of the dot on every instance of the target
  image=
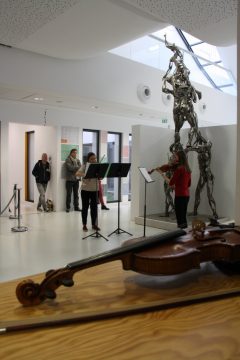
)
(165, 254)
(187, 252)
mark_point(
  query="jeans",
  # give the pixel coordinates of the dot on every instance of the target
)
(72, 186)
(89, 198)
(42, 191)
(181, 204)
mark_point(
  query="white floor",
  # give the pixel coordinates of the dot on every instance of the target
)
(55, 239)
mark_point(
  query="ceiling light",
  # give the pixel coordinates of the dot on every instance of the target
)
(38, 98)
(95, 107)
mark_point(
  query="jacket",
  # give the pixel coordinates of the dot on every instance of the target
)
(71, 167)
(41, 172)
(182, 180)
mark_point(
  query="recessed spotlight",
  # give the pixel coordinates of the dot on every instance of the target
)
(38, 98)
(95, 107)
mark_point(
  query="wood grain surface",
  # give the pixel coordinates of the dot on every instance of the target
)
(206, 330)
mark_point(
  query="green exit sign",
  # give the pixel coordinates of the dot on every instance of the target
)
(164, 121)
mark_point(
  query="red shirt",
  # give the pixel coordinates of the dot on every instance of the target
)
(182, 180)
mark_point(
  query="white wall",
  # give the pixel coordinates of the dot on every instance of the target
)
(45, 140)
(150, 149)
(17, 118)
(31, 115)
(108, 78)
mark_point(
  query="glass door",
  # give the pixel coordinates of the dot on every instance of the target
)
(90, 143)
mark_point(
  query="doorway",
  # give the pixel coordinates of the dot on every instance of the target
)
(29, 164)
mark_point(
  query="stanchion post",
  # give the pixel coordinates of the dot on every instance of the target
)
(14, 216)
(19, 228)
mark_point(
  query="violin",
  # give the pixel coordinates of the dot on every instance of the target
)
(164, 168)
(170, 253)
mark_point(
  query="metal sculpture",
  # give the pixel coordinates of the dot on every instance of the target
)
(177, 83)
(184, 95)
(206, 177)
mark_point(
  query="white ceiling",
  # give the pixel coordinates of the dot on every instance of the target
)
(77, 29)
(70, 29)
(213, 21)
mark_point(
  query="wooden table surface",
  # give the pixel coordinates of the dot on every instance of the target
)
(209, 330)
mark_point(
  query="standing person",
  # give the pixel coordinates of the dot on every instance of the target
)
(100, 195)
(72, 165)
(41, 171)
(180, 181)
(89, 194)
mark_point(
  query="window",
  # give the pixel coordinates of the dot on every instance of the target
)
(90, 143)
(202, 59)
(113, 156)
(130, 160)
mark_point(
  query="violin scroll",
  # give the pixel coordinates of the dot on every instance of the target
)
(198, 228)
(28, 293)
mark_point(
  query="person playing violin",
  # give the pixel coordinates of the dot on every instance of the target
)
(180, 181)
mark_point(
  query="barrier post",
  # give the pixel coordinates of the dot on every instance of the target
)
(14, 216)
(19, 228)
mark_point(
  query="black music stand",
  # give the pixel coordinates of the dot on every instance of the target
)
(96, 171)
(118, 170)
(148, 180)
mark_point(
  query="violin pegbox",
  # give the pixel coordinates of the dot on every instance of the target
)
(198, 228)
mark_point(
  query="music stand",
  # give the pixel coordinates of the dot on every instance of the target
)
(96, 171)
(118, 170)
(148, 180)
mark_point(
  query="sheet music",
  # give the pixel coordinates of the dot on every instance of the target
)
(86, 168)
(145, 174)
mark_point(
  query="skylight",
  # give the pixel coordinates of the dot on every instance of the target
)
(202, 59)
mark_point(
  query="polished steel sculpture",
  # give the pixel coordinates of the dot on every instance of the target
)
(177, 83)
(206, 177)
(184, 94)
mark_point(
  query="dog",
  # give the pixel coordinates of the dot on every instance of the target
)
(49, 204)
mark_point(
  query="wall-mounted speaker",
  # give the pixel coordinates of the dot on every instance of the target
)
(143, 93)
(202, 106)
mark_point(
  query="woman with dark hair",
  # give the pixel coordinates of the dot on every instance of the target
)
(180, 181)
(89, 194)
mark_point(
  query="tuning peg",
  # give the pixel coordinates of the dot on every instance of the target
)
(50, 294)
(67, 282)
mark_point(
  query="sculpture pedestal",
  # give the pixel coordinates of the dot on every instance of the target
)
(168, 223)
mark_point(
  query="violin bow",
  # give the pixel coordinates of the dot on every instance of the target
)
(60, 320)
